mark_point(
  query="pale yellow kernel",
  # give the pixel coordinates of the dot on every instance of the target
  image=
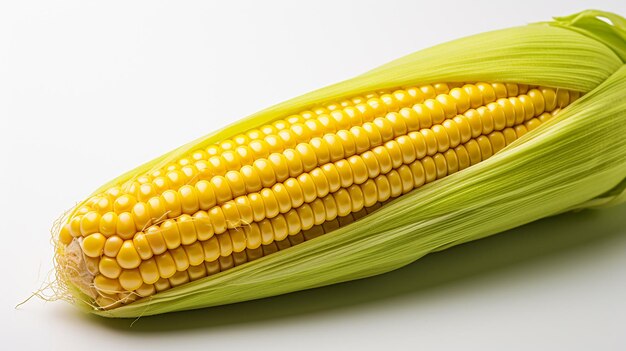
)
(107, 285)
(146, 191)
(112, 245)
(93, 245)
(125, 226)
(124, 203)
(130, 279)
(103, 205)
(146, 290)
(109, 268)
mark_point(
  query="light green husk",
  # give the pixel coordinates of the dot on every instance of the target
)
(576, 160)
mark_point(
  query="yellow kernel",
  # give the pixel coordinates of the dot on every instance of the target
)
(109, 268)
(238, 239)
(195, 254)
(156, 209)
(186, 229)
(90, 223)
(127, 257)
(130, 279)
(181, 260)
(141, 216)
(145, 290)
(205, 194)
(189, 199)
(108, 224)
(253, 236)
(171, 235)
(107, 285)
(124, 203)
(125, 226)
(155, 240)
(211, 249)
(202, 222)
(142, 246)
(65, 236)
(93, 245)
(171, 201)
(112, 245)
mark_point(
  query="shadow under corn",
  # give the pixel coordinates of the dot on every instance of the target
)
(547, 239)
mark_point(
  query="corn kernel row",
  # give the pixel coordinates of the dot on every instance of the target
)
(189, 199)
(204, 165)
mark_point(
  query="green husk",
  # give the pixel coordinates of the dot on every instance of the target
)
(575, 161)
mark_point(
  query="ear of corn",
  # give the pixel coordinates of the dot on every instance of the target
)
(573, 161)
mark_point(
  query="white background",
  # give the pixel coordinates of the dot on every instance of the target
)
(91, 89)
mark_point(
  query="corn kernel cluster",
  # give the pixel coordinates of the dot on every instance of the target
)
(290, 181)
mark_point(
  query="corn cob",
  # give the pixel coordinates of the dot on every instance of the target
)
(314, 165)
